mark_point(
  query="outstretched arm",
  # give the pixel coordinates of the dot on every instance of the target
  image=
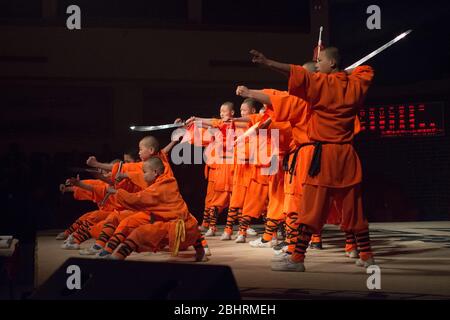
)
(78, 183)
(259, 58)
(255, 94)
(92, 162)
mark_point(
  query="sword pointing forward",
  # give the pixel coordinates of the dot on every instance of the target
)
(382, 48)
(154, 128)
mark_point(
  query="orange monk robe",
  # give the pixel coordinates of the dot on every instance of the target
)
(160, 206)
(222, 158)
(202, 137)
(135, 181)
(243, 171)
(256, 195)
(334, 101)
(298, 113)
(275, 208)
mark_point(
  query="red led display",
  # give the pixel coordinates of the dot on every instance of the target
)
(403, 120)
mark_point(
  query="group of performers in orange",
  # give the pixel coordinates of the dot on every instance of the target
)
(289, 158)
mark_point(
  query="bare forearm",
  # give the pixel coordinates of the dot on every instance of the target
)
(259, 96)
(283, 68)
(103, 166)
(169, 147)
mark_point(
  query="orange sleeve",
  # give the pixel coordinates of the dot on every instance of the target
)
(305, 84)
(216, 123)
(99, 192)
(146, 199)
(288, 108)
(137, 178)
(83, 194)
(363, 73)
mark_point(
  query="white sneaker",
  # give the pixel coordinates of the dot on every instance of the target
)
(352, 254)
(287, 265)
(252, 232)
(279, 256)
(91, 251)
(210, 233)
(258, 243)
(365, 263)
(61, 236)
(70, 246)
(240, 239)
(70, 239)
(225, 236)
(207, 251)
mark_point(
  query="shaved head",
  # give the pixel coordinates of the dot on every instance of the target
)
(150, 142)
(253, 103)
(332, 53)
(155, 163)
(229, 105)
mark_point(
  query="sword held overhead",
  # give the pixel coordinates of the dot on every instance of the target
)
(377, 51)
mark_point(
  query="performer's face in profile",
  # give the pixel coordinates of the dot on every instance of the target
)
(145, 152)
(226, 112)
(324, 64)
(150, 174)
(246, 110)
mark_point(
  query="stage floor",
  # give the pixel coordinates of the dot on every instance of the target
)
(414, 258)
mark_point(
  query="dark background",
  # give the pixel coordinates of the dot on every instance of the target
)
(54, 116)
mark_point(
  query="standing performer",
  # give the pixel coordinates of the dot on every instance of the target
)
(334, 170)
(221, 159)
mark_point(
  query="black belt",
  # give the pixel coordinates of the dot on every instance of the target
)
(291, 169)
(314, 166)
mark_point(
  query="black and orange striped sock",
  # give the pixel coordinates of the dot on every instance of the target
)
(81, 235)
(126, 249)
(214, 214)
(303, 240)
(114, 241)
(73, 227)
(363, 242)
(350, 241)
(200, 242)
(291, 231)
(206, 217)
(105, 234)
(244, 223)
(232, 218)
(271, 228)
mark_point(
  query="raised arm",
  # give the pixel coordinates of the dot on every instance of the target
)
(259, 58)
